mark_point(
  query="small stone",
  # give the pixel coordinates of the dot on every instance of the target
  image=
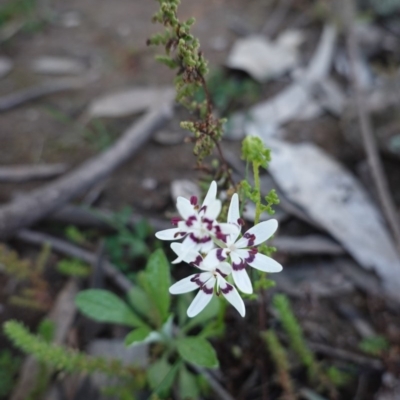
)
(6, 66)
(219, 43)
(169, 138)
(124, 30)
(149, 183)
(57, 66)
(184, 188)
(32, 115)
(71, 19)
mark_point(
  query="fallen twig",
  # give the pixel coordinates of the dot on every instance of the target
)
(311, 244)
(369, 141)
(346, 355)
(99, 218)
(15, 99)
(70, 250)
(217, 387)
(28, 209)
(24, 173)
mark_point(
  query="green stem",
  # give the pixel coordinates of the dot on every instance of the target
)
(257, 185)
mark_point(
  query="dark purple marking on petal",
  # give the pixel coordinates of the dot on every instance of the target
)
(190, 220)
(239, 266)
(219, 235)
(175, 220)
(196, 279)
(204, 209)
(193, 200)
(251, 239)
(208, 222)
(180, 234)
(220, 255)
(207, 290)
(221, 273)
(252, 255)
(240, 221)
(227, 289)
(195, 239)
(197, 261)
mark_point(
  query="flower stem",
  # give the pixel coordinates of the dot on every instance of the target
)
(256, 173)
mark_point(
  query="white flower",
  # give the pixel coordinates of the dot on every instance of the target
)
(198, 224)
(210, 281)
(243, 251)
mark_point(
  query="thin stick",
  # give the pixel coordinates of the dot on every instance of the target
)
(26, 210)
(217, 387)
(346, 355)
(22, 96)
(368, 138)
(70, 250)
(25, 173)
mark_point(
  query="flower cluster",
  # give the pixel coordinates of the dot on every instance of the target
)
(217, 250)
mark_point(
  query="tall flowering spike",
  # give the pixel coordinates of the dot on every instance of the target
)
(243, 251)
(208, 281)
(198, 224)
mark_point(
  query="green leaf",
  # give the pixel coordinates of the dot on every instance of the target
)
(161, 375)
(374, 345)
(73, 268)
(210, 312)
(157, 372)
(142, 303)
(46, 329)
(188, 388)
(182, 305)
(104, 306)
(197, 351)
(158, 281)
(165, 386)
(141, 335)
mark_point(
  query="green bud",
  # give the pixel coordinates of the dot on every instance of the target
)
(254, 151)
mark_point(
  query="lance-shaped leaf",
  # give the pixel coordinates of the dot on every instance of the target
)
(104, 306)
(158, 281)
(197, 351)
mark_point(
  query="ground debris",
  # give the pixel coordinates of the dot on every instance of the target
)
(263, 59)
(129, 101)
(337, 201)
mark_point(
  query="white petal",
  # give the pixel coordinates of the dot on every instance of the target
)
(202, 298)
(211, 194)
(190, 256)
(169, 234)
(184, 207)
(258, 234)
(224, 268)
(229, 228)
(240, 277)
(234, 213)
(190, 283)
(206, 247)
(242, 253)
(214, 257)
(242, 281)
(266, 264)
(188, 244)
(233, 231)
(232, 295)
(213, 210)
